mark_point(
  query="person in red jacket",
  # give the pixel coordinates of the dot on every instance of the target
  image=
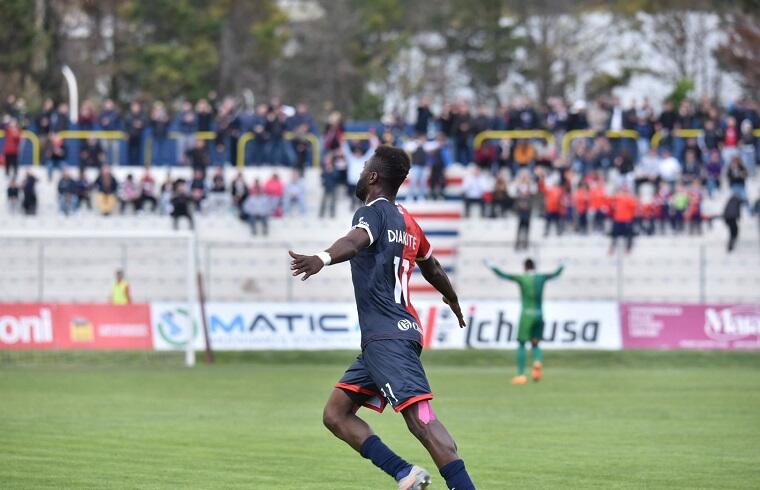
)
(11, 147)
(624, 208)
(581, 205)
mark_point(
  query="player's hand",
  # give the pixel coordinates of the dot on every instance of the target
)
(308, 265)
(454, 305)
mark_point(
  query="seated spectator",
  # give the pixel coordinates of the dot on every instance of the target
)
(106, 188)
(13, 196)
(474, 188)
(83, 190)
(67, 193)
(91, 155)
(147, 191)
(29, 201)
(329, 189)
(713, 171)
(181, 204)
(218, 200)
(166, 193)
(679, 202)
(692, 168)
(648, 170)
(129, 194)
(694, 209)
(257, 208)
(501, 201)
(198, 188)
(295, 193)
(737, 177)
(670, 168)
(239, 191)
(275, 190)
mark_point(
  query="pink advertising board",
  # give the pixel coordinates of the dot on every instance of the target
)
(690, 326)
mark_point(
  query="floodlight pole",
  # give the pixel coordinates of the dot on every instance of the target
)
(71, 81)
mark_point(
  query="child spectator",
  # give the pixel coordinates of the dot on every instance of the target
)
(12, 194)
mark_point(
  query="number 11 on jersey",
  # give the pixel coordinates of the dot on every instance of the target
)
(402, 280)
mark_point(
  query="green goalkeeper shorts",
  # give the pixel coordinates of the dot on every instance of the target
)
(531, 326)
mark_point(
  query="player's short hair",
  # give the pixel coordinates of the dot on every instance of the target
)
(529, 265)
(392, 165)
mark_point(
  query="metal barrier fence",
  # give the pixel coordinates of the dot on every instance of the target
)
(316, 146)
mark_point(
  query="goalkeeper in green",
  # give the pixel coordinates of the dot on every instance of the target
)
(531, 318)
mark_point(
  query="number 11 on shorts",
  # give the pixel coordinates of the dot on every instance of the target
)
(389, 395)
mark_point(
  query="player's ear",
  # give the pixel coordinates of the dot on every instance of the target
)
(373, 177)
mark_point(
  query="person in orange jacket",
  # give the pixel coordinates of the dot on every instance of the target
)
(581, 205)
(624, 208)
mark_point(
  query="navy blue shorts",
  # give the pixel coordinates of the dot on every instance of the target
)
(387, 371)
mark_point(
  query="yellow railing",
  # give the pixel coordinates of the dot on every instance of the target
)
(316, 148)
(513, 134)
(678, 133)
(568, 138)
(35, 144)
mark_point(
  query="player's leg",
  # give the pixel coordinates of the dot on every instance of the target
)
(425, 426)
(340, 418)
(396, 369)
(536, 334)
(356, 389)
(523, 336)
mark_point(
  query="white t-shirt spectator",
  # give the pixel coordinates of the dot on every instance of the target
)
(670, 169)
(474, 186)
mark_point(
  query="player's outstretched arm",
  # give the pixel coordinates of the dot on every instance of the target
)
(342, 250)
(436, 276)
(557, 272)
(498, 271)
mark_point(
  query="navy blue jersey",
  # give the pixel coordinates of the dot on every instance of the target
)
(381, 271)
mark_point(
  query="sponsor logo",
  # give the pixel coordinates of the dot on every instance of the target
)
(732, 323)
(27, 329)
(362, 222)
(175, 326)
(81, 330)
(405, 324)
(281, 322)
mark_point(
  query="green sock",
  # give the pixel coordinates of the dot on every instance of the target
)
(520, 358)
(537, 354)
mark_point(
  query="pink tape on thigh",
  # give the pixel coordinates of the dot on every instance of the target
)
(425, 412)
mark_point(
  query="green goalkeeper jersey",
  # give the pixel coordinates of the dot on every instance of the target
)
(531, 288)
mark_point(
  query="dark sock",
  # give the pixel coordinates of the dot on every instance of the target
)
(381, 456)
(456, 476)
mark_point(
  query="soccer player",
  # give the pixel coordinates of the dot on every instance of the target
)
(383, 246)
(531, 317)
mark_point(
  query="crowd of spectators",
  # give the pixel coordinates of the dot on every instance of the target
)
(619, 185)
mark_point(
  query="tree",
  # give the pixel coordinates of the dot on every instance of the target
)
(739, 53)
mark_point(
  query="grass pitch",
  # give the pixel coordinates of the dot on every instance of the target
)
(598, 420)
